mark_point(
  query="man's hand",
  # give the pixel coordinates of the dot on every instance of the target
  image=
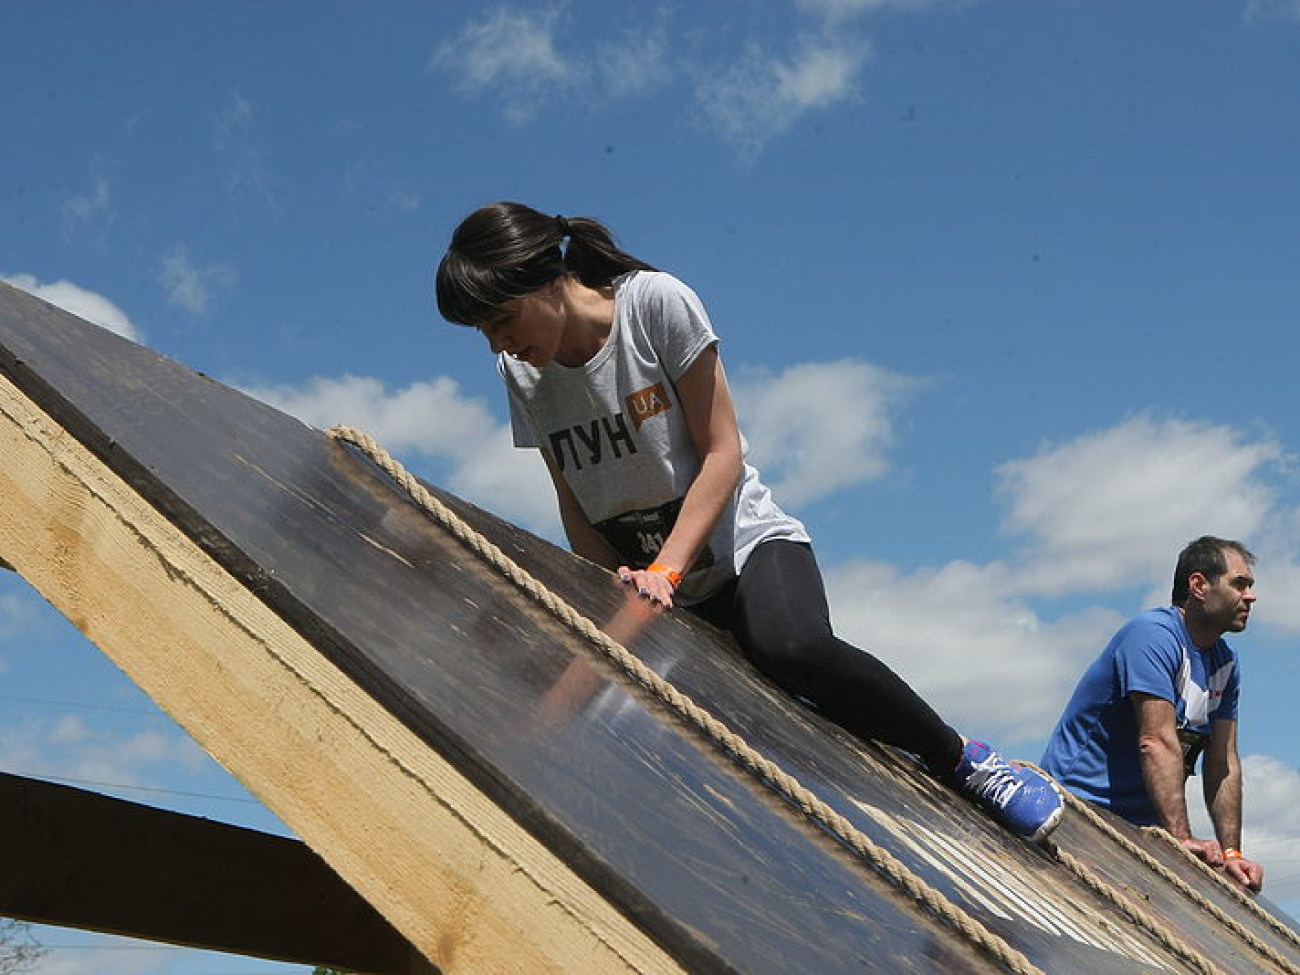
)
(1207, 850)
(1246, 872)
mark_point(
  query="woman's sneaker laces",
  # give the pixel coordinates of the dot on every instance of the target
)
(1023, 800)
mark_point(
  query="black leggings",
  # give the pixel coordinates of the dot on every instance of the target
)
(777, 612)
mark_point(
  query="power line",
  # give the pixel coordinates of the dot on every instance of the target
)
(82, 706)
(157, 948)
(133, 788)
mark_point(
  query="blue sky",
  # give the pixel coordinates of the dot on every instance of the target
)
(1008, 294)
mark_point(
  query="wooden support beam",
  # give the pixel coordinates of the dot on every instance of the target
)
(220, 644)
(78, 859)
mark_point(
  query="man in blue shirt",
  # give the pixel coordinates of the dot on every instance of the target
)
(1162, 693)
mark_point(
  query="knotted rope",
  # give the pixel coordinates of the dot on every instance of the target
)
(732, 745)
(1089, 877)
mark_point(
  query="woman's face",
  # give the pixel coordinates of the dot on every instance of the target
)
(529, 328)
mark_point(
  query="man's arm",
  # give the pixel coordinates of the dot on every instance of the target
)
(1222, 786)
(1161, 757)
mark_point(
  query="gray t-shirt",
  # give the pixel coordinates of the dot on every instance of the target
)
(615, 429)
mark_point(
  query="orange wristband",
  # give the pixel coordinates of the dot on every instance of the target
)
(1231, 854)
(672, 575)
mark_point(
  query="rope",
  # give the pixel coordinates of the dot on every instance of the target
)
(1232, 888)
(1084, 873)
(731, 744)
(1141, 918)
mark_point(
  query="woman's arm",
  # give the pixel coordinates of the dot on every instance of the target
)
(583, 539)
(711, 419)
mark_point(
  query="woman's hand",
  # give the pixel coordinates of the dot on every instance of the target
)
(656, 584)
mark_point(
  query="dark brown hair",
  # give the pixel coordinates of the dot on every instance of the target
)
(507, 250)
(1204, 555)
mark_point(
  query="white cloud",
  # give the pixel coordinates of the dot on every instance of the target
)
(637, 62)
(89, 208)
(403, 201)
(1273, 807)
(80, 302)
(968, 643)
(16, 614)
(21, 617)
(841, 9)
(236, 114)
(187, 286)
(1278, 573)
(426, 417)
(819, 427)
(802, 454)
(821, 75)
(1272, 10)
(762, 96)
(516, 57)
(432, 419)
(1113, 508)
(70, 747)
(1102, 514)
(234, 138)
(510, 53)
(109, 955)
(1270, 832)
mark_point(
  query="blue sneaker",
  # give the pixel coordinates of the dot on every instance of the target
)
(1020, 799)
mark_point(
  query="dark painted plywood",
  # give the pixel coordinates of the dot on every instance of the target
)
(703, 858)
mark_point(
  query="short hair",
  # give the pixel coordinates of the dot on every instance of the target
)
(1206, 556)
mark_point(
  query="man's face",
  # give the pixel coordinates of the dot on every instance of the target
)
(1227, 600)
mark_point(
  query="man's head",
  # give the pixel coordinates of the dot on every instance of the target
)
(1213, 580)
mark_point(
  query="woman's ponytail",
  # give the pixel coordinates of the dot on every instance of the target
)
(506, 250)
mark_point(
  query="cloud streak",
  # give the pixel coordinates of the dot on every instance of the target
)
(761, 96)
(188, 286)
(521, 59)
(510, 55)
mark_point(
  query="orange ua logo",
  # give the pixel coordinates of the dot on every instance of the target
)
(648, 402)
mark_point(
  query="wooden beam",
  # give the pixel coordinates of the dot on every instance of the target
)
(78, 859)
(464, 880)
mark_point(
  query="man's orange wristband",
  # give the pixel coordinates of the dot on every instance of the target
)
(1231, 854)
(672, 575)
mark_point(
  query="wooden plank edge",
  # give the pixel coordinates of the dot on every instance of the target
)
(468, 886)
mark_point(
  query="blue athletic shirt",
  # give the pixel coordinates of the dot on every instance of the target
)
(1094, 750)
